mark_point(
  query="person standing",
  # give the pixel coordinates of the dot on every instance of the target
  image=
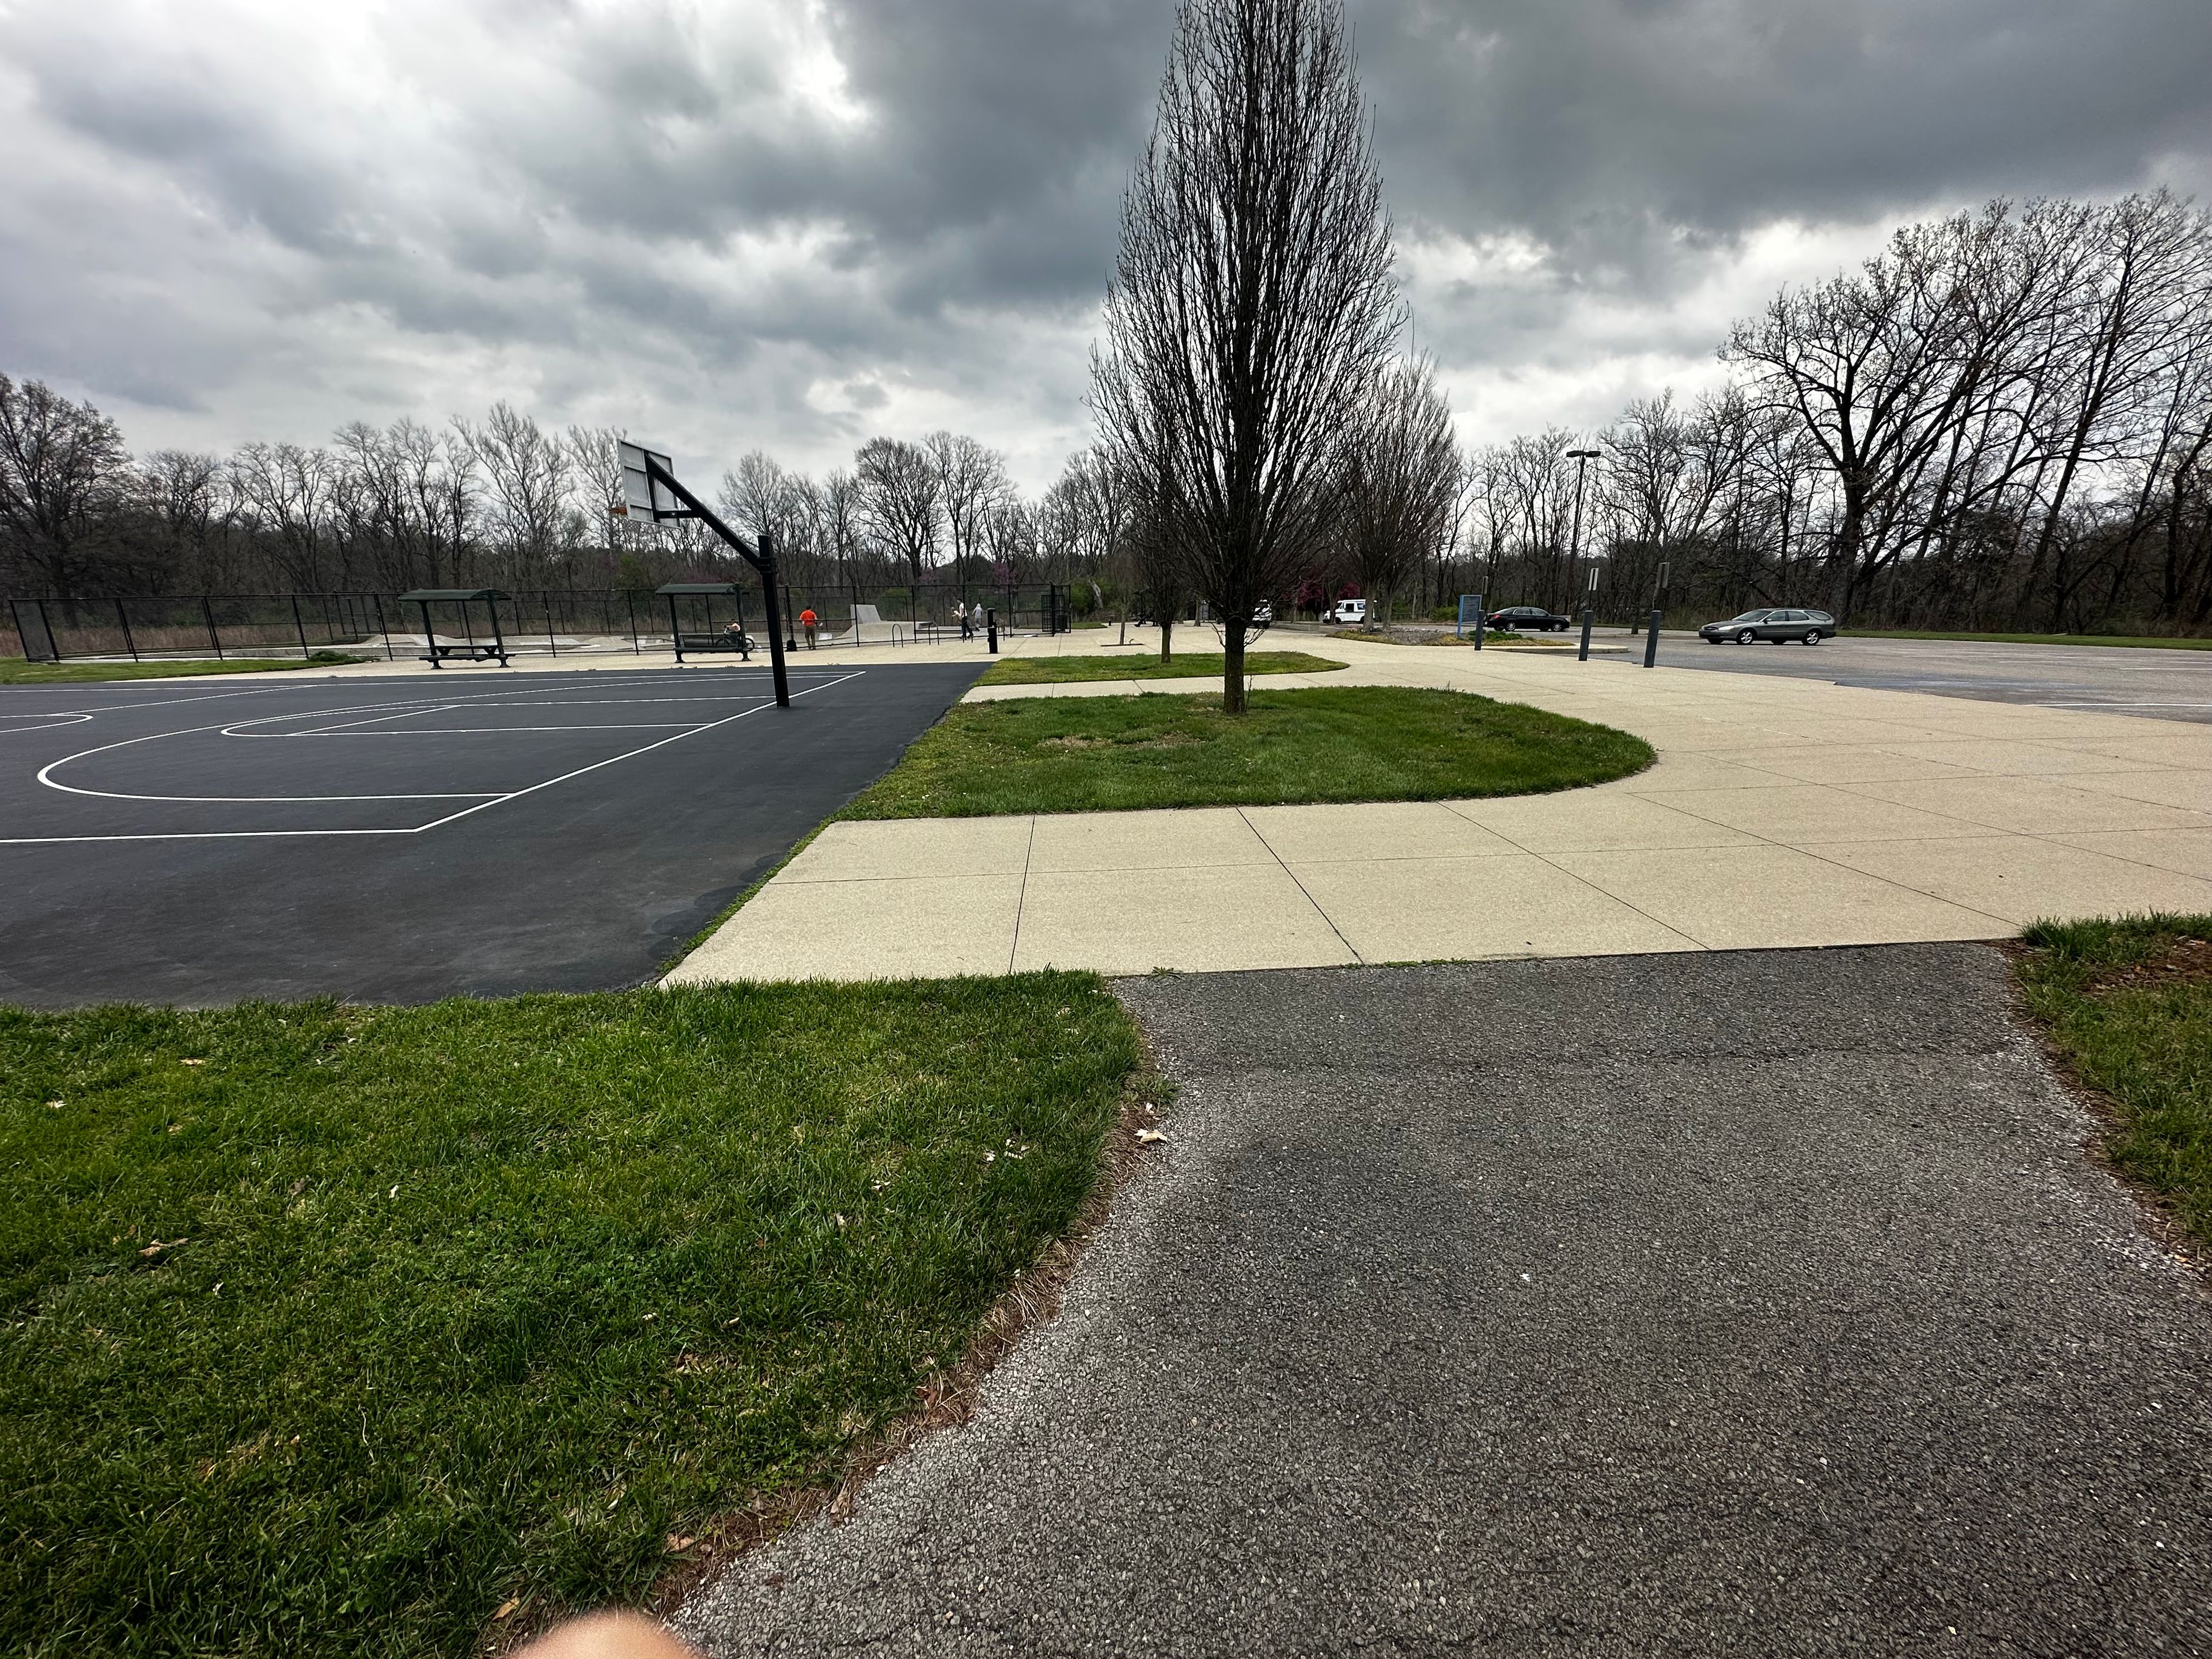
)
(811, 623)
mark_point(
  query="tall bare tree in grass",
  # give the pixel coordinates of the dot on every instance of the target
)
(1402, 479)
(1252, 307)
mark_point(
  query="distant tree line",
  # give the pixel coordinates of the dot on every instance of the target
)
(498, 503)
(2002, 421)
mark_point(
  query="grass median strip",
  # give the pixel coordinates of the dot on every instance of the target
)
(333, 1330)
(14, 670)
(1142, 665)
(2129, 1005)
(1321, 744)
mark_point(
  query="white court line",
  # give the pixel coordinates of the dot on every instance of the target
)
(598, 678)
(468, 731)
(416, 830)
(343, 726)
(46, 722)
(401, 711)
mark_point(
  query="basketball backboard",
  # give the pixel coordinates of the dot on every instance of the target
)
(645, 496)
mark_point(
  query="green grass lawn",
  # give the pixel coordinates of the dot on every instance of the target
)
(1207, 665)
(1322, 744)
(2130, 1003)
(2153, 642)
(14, 670)
(328, 1331)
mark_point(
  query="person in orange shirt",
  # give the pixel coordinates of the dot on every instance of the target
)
(811, 623)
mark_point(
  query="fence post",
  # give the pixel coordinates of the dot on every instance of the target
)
(630, 599)
(128, 643)
(383, 628)
(215, 640)
(301, 628)
(1651, 638)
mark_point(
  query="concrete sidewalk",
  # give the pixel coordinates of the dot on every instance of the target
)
(1782, 812)
(1755, 1303)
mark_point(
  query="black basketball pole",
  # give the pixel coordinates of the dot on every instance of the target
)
(761, 559)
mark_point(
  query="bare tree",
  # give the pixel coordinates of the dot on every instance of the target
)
(1102, 493)
(1161, 569)
(284, 492)
(842, 531)
(61, 466)
(1252, 301)
(971, 485)
(901, 502)
(758, 494)
(1402, 473)
(527, 474)
(180, 492)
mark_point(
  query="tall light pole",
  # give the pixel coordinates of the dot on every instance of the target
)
(1582, 470)
(1581, 458)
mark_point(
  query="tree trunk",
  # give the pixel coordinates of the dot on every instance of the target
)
(1167, 631)
(1849, 536)
(1232, 667)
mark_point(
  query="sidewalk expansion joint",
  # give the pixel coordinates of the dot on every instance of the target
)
(1302, 888)
(1022, 895)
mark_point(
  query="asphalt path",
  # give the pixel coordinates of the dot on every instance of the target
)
(1733, 1303)
(397, 840)
(2156, 684)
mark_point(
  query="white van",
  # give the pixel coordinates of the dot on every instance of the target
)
(1349, 613)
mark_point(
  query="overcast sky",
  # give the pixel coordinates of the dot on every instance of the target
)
(773, 224)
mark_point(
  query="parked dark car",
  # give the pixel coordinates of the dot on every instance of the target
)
(1810, 627)
(1529, 619)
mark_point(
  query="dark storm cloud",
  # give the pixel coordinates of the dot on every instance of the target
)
(1558, 114)
(780, 223)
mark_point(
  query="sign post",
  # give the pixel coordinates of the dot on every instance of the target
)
(650, 490)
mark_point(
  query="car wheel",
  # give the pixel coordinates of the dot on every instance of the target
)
(1745, 637)
(1812, 636)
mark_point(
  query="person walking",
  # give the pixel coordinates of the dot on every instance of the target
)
(811, 623)
(967, 621)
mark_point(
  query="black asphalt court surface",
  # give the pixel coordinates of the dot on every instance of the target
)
(472, 831)
(2153, 683)
(1748, 1303)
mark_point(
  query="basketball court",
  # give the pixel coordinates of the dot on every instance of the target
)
(405, 839)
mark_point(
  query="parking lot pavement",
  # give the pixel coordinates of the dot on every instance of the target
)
(1759, 1303)
(2158, 684)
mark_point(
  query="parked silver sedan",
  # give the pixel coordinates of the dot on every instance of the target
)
(1810, 627)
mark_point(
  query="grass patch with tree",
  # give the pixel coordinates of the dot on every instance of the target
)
(14, 670)
(2129, 1003)
(1197, 664)
(1314, 743)
(332, 1330)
